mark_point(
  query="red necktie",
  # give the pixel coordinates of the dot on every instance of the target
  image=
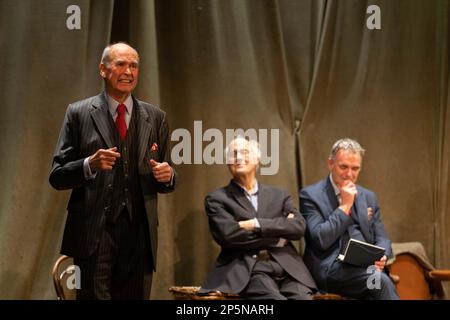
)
(120, 121)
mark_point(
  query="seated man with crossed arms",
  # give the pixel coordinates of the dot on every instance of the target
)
(254, 225)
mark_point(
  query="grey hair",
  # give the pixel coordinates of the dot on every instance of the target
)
(253, 147)
(106, 55)
(346, 144)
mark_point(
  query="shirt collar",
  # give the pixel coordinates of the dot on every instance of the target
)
(252, 192)
(112, 104)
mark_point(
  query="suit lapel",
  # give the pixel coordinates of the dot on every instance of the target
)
(361, 211)
(263, 197)
(144, 129)
(330, 196)
(240, 198)
(100, 115)
(360, 205)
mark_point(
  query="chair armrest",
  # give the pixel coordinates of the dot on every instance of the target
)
(191, 293)
(439, 274)
(328, 296)
(395, 278)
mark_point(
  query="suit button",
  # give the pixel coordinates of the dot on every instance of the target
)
(254, 256)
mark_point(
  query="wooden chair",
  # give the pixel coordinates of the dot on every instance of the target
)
(415, 278)
(418, 279)
(191, 293)
(62, 269)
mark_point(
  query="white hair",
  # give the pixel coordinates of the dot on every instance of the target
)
(253, 146)
(106, 55)
(346, 144)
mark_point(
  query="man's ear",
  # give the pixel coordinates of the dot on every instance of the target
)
(102, 69)
(330, 164)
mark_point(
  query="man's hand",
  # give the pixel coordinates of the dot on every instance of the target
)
(381, 263)
(248, 225)
(103, 159)
(348, 194)
(161, 171)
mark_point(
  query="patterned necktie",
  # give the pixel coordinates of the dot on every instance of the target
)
(120, 121)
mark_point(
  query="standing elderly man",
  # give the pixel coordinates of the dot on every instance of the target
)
(337, 209)
(113, 153)
(254, 225)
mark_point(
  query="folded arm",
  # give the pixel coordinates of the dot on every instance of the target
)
(228, 233)
(290, 226)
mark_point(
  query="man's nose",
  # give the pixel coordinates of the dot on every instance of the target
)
(240, 158)
(350, 174)
(346, 175)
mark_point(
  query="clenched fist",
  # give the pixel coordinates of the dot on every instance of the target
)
(103, 159)
(162, 171)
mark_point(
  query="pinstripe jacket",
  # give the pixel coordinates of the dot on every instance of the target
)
(86, 129)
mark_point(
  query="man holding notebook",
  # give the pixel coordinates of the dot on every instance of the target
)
(337, 210)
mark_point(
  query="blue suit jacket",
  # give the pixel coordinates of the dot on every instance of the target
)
(326, 224)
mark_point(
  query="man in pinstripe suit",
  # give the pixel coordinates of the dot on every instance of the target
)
(113, 153)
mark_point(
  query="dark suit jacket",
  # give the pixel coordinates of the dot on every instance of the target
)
(225, 208)
(326, 225)
(86, 129)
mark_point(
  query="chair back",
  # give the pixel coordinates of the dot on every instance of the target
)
(64, 273)
(413, 283)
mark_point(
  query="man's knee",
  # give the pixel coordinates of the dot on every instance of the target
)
(376, 279)
(385, 288)
(386, 281)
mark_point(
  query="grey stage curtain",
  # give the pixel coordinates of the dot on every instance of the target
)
(222, 63)
(43, 66)
(388, 89)
(308, 68)
(442, 182)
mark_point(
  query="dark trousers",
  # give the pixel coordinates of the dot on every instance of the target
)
(269, 281)
(352, 281)
(122, 267)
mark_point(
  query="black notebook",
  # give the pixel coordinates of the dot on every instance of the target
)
(360, 253)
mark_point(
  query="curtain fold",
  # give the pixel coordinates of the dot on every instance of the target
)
(442, 172)
(384, 88)
(221, 63)
(44, 67)
(308, 68)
